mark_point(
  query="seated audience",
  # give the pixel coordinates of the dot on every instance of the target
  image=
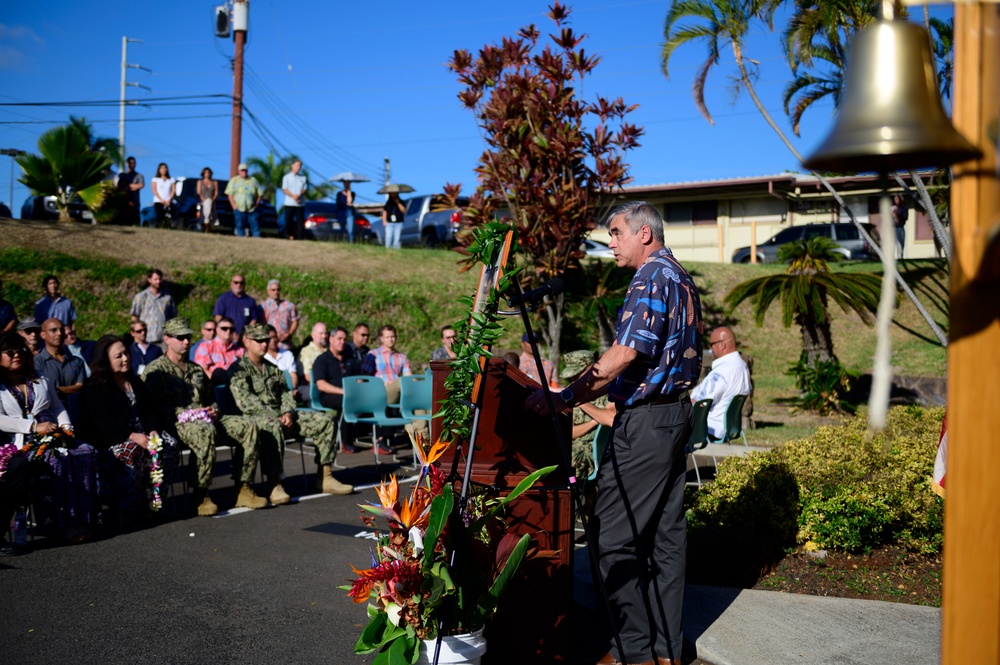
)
(527, 364)
(120, 419)
(141, 352)
(329, 371)
(31, 331)
(387, 364)
(237, 306)
(65, 472)
(217, 355)
(281, 314)
(186, 402)
(64, 371)
(82, 349)
(260, 392)
(729, 377)
(280, 358)
(358, 346)
(444, 351)
(319, 339)
(52, 304)
(207, 335)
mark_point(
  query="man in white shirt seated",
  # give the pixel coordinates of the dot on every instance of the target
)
(729, 377)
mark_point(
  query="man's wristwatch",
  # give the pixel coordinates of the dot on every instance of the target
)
(567, 396)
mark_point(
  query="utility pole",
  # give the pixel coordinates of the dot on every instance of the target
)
(124, 84)
(241, 21)
(971, 583)
(13, 152)
(387, 171)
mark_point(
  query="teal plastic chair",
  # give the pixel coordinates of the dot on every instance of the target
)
(365, 402)
(699, 438)
(601, 437)
(416, 394)
(288, 380)
(316, 405)
(734, 421)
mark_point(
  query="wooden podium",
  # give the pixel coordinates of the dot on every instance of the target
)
(532, 624)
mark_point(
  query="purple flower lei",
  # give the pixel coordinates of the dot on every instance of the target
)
(7, 453)
(196, 415)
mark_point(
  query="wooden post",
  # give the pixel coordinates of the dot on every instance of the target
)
(753, 241)
(971, 609)
(722, 255)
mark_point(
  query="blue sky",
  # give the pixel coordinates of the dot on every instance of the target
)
(345, 85)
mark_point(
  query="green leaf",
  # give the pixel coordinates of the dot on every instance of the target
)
(521, 488)
(440, 510)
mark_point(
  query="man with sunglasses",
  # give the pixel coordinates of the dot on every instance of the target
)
(216, 355)
(142, 352)
(729, 377)
(237, 305)
(180, 386)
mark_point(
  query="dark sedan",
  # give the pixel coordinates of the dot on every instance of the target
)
(185, 210)
(321, 224)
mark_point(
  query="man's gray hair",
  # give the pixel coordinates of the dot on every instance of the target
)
(274, 282)
(638, 214)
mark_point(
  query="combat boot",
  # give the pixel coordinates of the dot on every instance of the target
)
(206, 507)
(245, 498)
(327, 484)
(278, 496)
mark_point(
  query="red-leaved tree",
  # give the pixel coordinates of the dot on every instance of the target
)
(551, 159)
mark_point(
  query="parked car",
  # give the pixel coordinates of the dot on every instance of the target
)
(321, 223)
(429, 221)
(597, 249)
(5, 211)
(850, 243)
(44, 207)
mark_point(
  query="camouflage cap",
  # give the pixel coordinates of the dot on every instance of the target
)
(257, 332)
(178, 327)
(575, 362)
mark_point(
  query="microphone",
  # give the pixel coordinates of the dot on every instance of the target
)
(553, 287)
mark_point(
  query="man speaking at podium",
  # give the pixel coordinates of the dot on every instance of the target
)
(639, 515)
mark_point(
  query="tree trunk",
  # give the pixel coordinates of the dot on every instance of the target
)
(745, 77)
(817, 343)
(605, 332)
(552, 330)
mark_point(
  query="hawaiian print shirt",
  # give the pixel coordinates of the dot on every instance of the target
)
(660, 319)
(245, 192)
(260, 391)
(280, 314)
(527, 365)
(213, 354)
(153, 310)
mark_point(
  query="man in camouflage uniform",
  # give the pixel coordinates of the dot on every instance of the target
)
(180, 385)
(576, 363)
(260, 392)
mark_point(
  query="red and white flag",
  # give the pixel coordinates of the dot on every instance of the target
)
(937, 482)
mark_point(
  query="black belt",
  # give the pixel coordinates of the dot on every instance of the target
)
(662, 399)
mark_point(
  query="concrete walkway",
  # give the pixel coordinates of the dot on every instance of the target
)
(747, 627)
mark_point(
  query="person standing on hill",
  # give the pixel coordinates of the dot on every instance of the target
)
(163, 194)
(208, 189)
(153, 307)
(130, 182)
(293, 185)
(244, 194)
(345, 211)
(392, 220)
(647, 373)
(53, 305)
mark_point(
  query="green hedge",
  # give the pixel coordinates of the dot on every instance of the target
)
(841, 488)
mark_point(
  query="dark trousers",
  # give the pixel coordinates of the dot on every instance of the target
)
(13, 490)
(294, 218)
(642, 533)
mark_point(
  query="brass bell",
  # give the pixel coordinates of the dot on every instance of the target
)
(891, 117)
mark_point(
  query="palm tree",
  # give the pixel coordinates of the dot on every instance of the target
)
(728, 21)
(943, 46)
(66, 168)
(269, 172)
(805, 289)
(109, 146)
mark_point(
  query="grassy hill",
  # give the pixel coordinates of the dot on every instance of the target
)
(416, 290)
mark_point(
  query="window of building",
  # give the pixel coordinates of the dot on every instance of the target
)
(692, 212)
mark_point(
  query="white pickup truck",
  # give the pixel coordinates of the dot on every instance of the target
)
(429, 221)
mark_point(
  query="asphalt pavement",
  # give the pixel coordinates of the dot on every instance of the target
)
(261, 587)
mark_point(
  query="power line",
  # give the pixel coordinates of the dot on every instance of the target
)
(116, 102)
(131, 120)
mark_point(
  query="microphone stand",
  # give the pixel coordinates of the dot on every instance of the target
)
(566, 461)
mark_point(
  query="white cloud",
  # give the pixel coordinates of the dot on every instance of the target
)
(20, 32)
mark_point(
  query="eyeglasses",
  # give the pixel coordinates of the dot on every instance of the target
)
(237, 281)
(225, 327)
(182, 338)
(11, 353)
(209, 328)
(138, 330)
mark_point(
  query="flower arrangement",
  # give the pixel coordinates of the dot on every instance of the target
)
(35, 446)
(155, 472)
(204, 415)
(7, 452)
(417, 589)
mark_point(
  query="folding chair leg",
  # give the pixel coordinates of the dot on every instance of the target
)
(339, 442)
(744, 439)
(697, 473)
(375, 444)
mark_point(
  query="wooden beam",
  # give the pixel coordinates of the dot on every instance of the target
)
(971, 609)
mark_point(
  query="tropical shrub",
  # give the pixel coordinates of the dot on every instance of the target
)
(820, 384)
(850, 489)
